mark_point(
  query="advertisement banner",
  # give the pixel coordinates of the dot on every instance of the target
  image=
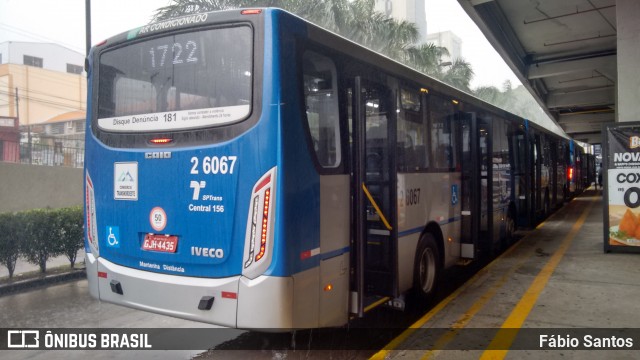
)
(622, 187)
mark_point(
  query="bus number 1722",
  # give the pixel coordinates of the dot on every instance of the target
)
(214, 165)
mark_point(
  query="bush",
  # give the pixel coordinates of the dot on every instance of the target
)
(10, 234)
(40, 234)
(41, 238)
(71, 232)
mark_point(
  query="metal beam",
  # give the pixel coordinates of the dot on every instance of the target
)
(495, 26)
(594, 118)
(577, 12)
(479, 2)
(571, 128)
(591, 37)
(588, 137)
(590, 97)
(537, 71)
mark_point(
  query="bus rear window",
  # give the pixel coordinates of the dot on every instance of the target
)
(184, 81)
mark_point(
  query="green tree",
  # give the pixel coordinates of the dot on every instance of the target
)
(516, 100)
(356, 20)
(41, 234)
(71, 232)
(10, 234)
(427, 58)
(459, 75)
(490, 94)
(361, 23)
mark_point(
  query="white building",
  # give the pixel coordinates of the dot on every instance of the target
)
(43, 55)
(48, 80)
(409, 10)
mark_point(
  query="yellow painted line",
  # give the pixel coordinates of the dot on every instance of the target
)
(375, 206)
(505, 336)
(376, 304)
(372, 306)
(418, 324)
(465, 318)
(476, 307)
(441, 305)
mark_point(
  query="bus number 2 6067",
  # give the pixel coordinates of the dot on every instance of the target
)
(213, 165)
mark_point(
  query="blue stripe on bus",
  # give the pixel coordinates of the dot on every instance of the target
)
(410, 231)
(331, 254)
(420, 228)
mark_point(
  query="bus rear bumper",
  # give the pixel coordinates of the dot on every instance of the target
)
(266, 303)
(178, 296)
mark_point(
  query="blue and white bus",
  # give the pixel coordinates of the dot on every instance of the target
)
(582, 167)
(249, 169)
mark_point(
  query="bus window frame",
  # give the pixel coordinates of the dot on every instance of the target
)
(453, 119)
(341, 90)
(423, 115)
(185, 137)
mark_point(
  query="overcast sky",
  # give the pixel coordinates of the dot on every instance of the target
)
(62, 22)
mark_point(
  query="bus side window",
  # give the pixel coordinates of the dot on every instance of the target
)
(321, 101)
(442, 137)
(412, 142)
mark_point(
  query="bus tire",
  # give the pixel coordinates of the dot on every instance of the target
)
(427, 267)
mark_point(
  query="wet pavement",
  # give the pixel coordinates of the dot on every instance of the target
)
(556, 282)
(586, 289)
(69, 305)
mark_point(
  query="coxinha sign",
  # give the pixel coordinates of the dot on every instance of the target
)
(621, 167)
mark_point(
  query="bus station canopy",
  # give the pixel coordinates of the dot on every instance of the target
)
(564, 53)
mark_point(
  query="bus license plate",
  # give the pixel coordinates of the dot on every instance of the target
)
(160, 243)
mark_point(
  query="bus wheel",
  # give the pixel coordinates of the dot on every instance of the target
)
(427, 267)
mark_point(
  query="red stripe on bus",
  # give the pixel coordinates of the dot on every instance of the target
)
(263, 183)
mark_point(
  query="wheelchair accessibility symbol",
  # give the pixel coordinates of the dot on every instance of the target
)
(454, 194)
(113, 236)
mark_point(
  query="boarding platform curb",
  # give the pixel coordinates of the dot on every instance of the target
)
(23, 285)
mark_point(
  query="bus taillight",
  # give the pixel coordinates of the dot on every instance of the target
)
(570, 173)
(265, 224)
(161, 141)
(259, 234)
(251, 11)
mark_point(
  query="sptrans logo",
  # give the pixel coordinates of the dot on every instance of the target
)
(634, 142)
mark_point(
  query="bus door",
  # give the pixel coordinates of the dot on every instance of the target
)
(374, 187)
(477, 187)
(553, 174)
(538, 210)
(520, 157)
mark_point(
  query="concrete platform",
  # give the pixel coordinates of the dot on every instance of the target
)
(556, 281)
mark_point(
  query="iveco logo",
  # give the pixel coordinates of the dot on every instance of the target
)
(207, 252)
(158, 155)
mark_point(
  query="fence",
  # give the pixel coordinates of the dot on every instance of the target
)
(41, 154)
